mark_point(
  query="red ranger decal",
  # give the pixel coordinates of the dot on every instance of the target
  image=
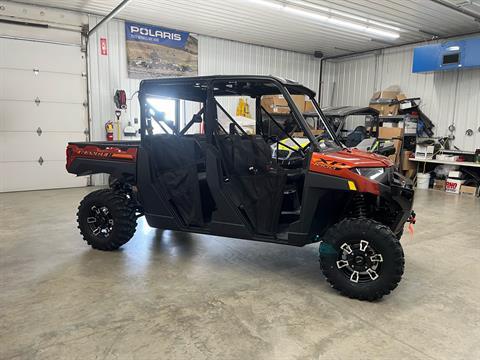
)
(95, 152)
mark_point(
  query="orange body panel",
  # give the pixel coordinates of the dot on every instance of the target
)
(340, 164)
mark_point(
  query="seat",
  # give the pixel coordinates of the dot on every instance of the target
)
(356, 136)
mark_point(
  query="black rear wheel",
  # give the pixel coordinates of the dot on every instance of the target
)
(362, 259)
(106, 219)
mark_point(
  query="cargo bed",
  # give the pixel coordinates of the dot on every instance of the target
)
(117, 158)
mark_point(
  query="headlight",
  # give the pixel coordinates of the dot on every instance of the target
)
(371, 173)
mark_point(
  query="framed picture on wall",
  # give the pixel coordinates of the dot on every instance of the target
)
(154, 52)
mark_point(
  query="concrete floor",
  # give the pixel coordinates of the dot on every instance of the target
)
(171, 295)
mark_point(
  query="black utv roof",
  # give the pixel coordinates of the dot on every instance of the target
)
(195, 88)
(344, 111)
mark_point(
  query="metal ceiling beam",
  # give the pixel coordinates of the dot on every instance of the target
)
(109, 16)
(459, 9)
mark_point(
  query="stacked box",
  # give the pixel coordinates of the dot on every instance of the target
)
(454, 182)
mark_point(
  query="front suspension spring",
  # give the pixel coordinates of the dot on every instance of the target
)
(359, 207)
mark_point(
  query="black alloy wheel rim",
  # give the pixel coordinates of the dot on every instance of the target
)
(359, 262)
(100, 221)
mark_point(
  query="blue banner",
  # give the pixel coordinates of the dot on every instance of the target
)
(156, 35)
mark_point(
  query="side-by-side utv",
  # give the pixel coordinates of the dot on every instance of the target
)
(205, 174)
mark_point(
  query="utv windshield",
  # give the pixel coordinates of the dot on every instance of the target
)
(316, 122)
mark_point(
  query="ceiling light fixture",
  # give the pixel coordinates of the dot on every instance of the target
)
(329, 19)
(342, 14)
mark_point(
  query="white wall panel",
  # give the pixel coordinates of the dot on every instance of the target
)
(467, 109)
(354, 81)
(395, 68)
(108, 73)
(224, 57)
(450, 97)
(328, 84)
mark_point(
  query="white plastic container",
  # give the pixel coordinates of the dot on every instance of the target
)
(423, 180)
(445, 157)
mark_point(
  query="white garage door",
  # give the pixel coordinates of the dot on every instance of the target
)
(42, 94)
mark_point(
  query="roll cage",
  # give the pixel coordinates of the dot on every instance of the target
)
(205, 89)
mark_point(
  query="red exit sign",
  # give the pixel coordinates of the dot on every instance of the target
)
(103, 46)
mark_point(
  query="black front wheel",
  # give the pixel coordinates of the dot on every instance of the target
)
(106, 219)
(362, 259)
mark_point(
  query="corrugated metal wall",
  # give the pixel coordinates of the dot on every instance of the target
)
(352, 80)
(107, 74)
(225, 57)
(450, 97)
(219, 56)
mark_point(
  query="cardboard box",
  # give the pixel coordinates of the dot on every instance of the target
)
(385, 102)
(389, 133)
(455, 174)
(275, 104)
(309, 107)
(469, 190)
(301, 134)
(411, 173)
(299, 100)
(406, 164)
(424, 151)
(318, 132)
(439, 184)
(390, 124)
(396, 157)
(410, 126)
(453, 185)
(278, 105)
(385, 110)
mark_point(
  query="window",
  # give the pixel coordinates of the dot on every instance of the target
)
(240, 108)
(165, 112)
(188, 109)
(449, 59)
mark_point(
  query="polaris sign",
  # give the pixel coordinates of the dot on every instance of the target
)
(156, 35)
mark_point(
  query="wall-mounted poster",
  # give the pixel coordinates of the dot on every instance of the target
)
(154, 52)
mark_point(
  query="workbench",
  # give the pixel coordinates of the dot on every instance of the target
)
(446, 162)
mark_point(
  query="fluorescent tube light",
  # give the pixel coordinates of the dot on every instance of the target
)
(365, 28)
(387, 26)
(342, 14)
(453, 48)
